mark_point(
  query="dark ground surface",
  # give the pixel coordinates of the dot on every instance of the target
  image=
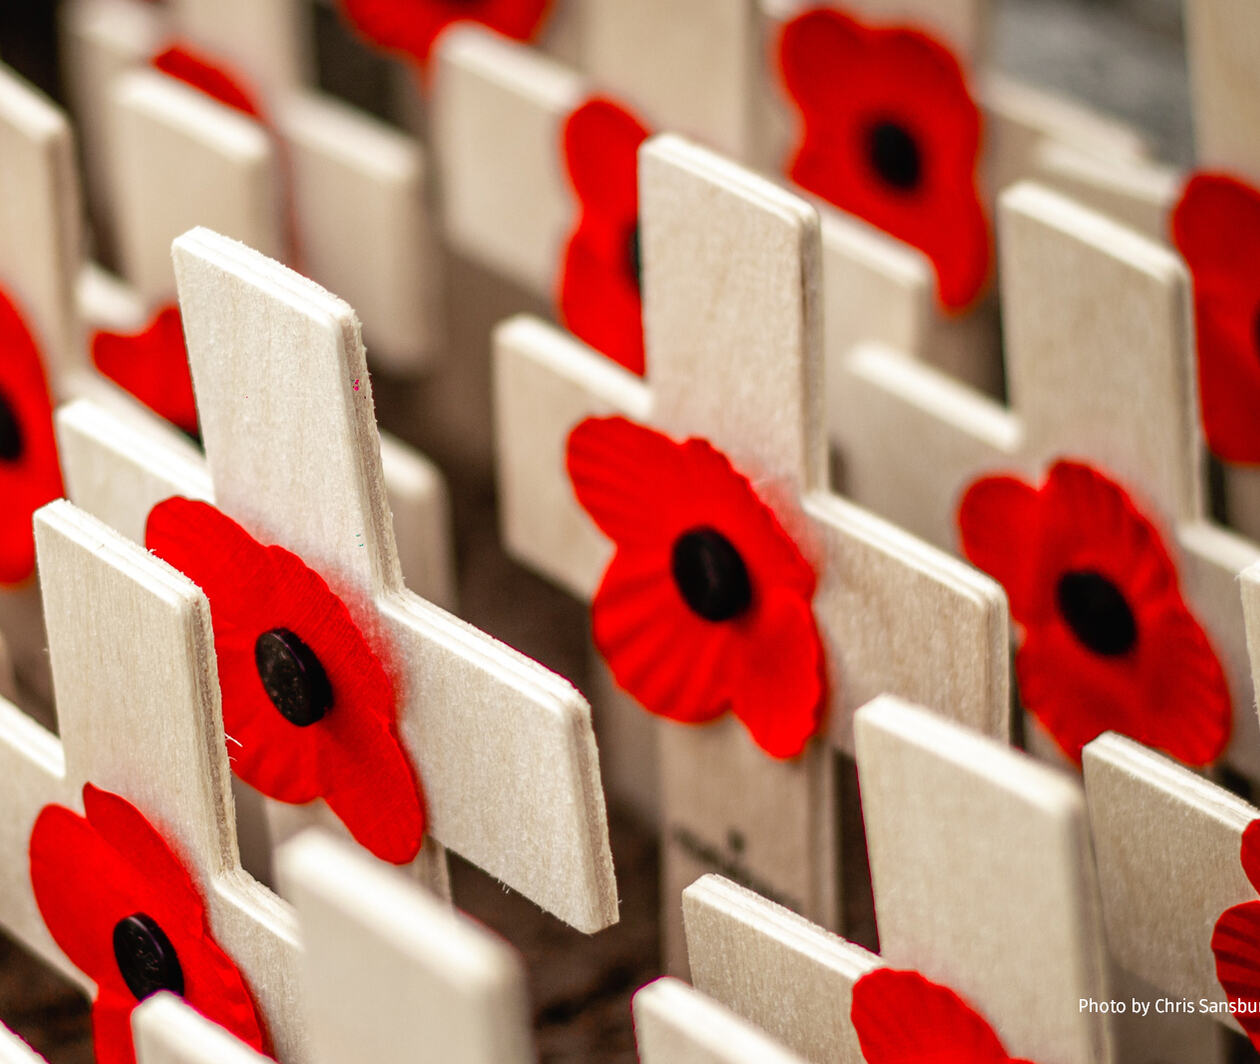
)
(1125, 56)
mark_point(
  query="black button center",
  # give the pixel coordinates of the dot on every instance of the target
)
(11, 446)
(710, 574)
(1096, 612)
(894, 155)
(634, 257)
(292, 676)
(146, 958)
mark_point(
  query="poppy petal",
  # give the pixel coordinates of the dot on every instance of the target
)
(891, 133)
(112, 1041)
(1236, 947)
(382, 809)
(1216, 215)
(601, 151)
(781, 691)
(30, 475)
(153, 366)
(997, 522)
(902, 1018)
(1250, 852)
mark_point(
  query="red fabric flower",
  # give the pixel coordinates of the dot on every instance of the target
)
(891, 134)
(307, 705)
(1108, 642)
(153, 366)
(1216, 216)
(1236, 944)
(705, 605)
(903, 1018)
(599, 298)
(411, 26)
(30, 475)
(124, 909)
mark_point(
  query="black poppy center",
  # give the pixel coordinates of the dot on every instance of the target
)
(634, 257)
(1096, 611)
(292, 676)
(10, 432)
(710, 574)
(146, 958)
(1255, 332)
(894, 155)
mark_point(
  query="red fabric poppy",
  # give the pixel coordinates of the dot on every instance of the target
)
(902, 1018)
(891, 134)
(599, 297)
(706, 604)
(1236, 944)
(125, 910)
(1215, 217)
(410, 27)
(153, 366)
(308, 707)
(30, 475)
(1108, 642)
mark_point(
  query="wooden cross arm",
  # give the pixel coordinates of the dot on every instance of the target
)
(168, 1031)
(508, 763)
(391, 973)
(782, 973)
(118, 468)
(674, 1024)
(904, 617)
(545, 382)
(1167, 843)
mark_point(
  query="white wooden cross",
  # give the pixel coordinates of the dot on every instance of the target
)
(1100, 366)
(173, 159)
(1168, 844)
(273, 351)
(984, 882)
(14, 1051)
(41, 247)
(138, 713)
(495, 100)
(390, 973)
(714, 74)
(733, 356)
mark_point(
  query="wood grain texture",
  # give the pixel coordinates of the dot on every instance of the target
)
(1100, 364)
(477, 717)
(493, 99)
(1167, 843)
(392, 974)
(40, 232)
(731, 291)
(1222, 37)
(121, 620)
(774, 968)
(984, 878)
(690, 66)
(675, 1024)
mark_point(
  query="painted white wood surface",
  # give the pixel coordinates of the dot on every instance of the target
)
(391, 973)
(984, 877)
(147, 633)
(733, 354)
(675, 1024)
(167, 1031)
(776, 969)
(476, 717)
(355, 186)
(1114, 389)
(14, 1051)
